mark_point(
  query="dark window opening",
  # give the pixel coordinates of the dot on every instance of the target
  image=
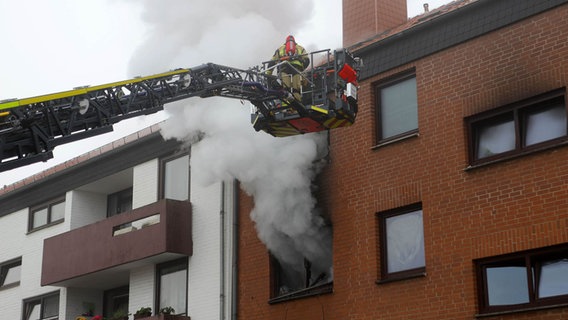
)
(47, 214)
(45, 307)
(295, 280)
(401, 243)
(523, 280)
(119, 202)
(115, 302)
(520, 128)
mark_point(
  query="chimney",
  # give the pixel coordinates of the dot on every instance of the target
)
(364, 18)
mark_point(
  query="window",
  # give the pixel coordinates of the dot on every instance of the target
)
(298, 278)
(119, 202)
(397, 108)
(115, 301)
(175, 178)
(44, 307)
(10, 273)
(46, 214)
(402, 243)
(523, 280)
(519, 128)
(171, 285)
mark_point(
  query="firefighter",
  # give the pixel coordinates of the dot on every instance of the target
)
(289, 73)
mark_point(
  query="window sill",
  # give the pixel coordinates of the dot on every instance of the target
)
(403, 137)
(304, 293)
(515, 156)
(46, 226)
(11, 285)
(401, 278)
(499, 313)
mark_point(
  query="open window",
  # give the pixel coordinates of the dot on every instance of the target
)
(10, 273)
(45, 307)
(298, 278)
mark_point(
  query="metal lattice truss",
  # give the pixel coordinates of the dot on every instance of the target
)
(31, 128)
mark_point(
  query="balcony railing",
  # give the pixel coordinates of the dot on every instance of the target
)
(158, 228)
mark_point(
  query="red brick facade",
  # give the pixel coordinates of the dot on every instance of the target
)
(499, 208)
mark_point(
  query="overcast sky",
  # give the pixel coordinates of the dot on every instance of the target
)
(51, 46)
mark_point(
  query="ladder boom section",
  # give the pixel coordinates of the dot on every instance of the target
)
(30, 128)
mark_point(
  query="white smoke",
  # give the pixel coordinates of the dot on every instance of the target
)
(277, 172)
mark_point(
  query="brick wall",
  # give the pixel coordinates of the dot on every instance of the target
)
(468, 214)
(365, 18)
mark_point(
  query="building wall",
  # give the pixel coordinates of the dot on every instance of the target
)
(12, 238)
(86, 208)
(86, 205)
(142, 288)
(468, 214)
(204, 289)
(145, 184)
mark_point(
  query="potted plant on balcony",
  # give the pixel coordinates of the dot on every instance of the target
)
(143, 313)
(120, 315)
(167, 313)
(167, 310)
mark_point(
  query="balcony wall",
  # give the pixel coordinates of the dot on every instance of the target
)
(99, 246)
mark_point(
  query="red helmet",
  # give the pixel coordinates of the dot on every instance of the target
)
(290, 45)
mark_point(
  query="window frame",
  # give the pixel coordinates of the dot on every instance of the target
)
(519, 111)
(162, 173)
(385, 83)
(308, 291)
(41, 299)
(384, 275)
(128, 192)
(110, 295)
(533, 260)
(46, 205)
(4, 269)
(181, 263)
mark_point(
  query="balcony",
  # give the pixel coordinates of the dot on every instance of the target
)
(150, 234)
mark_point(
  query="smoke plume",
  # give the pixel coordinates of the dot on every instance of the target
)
(277, 172)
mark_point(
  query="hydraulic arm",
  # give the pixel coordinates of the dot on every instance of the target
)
(30, 128)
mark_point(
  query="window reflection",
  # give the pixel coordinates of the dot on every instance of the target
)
(553, 279)
(546, 124)
(496, 138)
(507, 285)
(399, 107)
(176, 179)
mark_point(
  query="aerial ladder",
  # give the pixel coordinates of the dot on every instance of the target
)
(31, 128)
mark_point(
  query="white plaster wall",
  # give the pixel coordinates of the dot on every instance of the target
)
(204, 268)
(141, 288)
(86, 208)
(13, 228)
(145, 184)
